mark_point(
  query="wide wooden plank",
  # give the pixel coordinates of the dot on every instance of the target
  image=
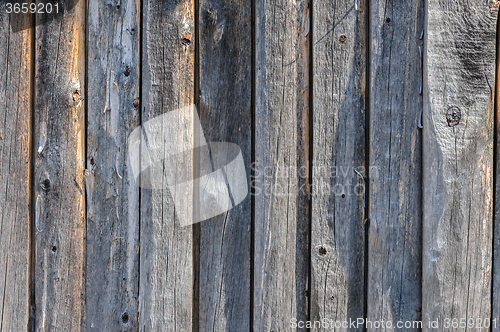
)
(59, 170)
(166, 254)
(395, 204)
(226, 116)
(458, 161)
(15, 172)
(338, 237)
(281, 174)
(112, 278)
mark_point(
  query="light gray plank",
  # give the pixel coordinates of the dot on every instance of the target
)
(495, 306)
(112, 278)
(225, 114)
(395, 209)
(281, 252)
(59, 168)
(338, 237)
(166, 255)
(15, 171)
(458, 160)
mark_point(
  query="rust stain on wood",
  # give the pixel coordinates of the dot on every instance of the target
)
(494, 5)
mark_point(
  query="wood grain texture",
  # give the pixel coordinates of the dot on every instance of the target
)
(458, 160)
(225, 112)
(112, 278)
(166, 254)
(15, 173)
(495, 301)
(337, 235)
(59, 168)
(395, 208)
(281, 164)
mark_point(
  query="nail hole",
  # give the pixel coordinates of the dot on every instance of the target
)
(388, 20)
(343, 38)
(343, 195)
(45, 185)
(125, 318)
(54, 249)
(92, 162)
(322, 251)
(186, 38)
(127, 71)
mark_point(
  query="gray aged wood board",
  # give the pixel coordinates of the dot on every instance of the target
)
(395, 208)
(113, 67)
(59, 188)
(166, 294)
(16, 223)
(459, 80)
(281, 251)
(225, 91)
(338, 193)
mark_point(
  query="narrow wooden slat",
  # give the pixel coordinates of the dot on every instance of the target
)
(281, 171)
(395, 208)
(338, 239)
(166, 255)
(112, 276)
(495, 306)
(458, 160)
(225, 114)
(59, 168)
(15, 175)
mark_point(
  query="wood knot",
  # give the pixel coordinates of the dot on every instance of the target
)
(218, 33)
(45, 185)
(125, 318)
(453, 116)
(76, 95)
(186, 39)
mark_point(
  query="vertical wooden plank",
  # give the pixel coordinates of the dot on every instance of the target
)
(15, 172)
(458, 160)
(495, 306)
(395, 208)
(225, 37)
(59, 168)
(112, 277)
(338, 239)
(166, 255)
(281, 163)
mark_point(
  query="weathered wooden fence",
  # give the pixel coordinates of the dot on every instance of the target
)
(367, 128)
